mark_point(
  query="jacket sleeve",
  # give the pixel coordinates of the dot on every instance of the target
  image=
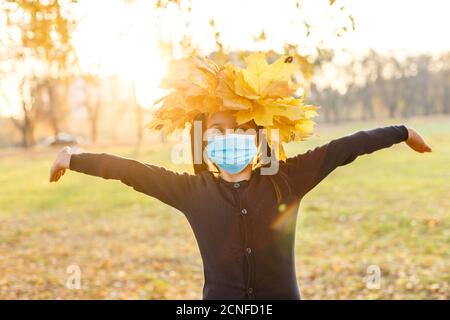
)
(168, 186)
(308, 169)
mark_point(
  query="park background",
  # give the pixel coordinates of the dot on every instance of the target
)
(89, 72)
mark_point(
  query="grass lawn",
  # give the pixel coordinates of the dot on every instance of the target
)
(390, 209)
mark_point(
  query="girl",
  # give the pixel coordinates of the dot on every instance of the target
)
(244, 221)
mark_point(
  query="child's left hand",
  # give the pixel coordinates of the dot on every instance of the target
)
(416, 142)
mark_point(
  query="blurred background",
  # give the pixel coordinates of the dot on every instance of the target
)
(86, 73)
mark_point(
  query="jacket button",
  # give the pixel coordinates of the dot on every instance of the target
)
(250, 290)
(244, 211)
(249, 250)
(236, 185)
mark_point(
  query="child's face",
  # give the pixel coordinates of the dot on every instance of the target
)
(231, 147)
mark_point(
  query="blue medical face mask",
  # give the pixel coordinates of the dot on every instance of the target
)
(232, 152)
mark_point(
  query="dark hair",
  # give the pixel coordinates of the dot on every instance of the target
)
(198, 147)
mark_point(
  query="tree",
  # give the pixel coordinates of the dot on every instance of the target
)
(93, 103)
(38, 34)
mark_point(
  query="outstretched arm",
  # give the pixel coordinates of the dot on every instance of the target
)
(309, 168)
(170, 187)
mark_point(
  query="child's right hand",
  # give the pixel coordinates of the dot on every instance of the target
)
(60, 164)
(416, 142)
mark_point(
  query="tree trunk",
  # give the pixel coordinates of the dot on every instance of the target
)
(53, 104)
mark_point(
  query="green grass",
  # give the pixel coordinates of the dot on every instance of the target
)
(389, 209)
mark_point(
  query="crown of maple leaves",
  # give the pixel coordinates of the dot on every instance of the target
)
(261, 92)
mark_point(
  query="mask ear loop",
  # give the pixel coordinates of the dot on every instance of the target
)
(260, 162)
(257, 160)
(198, 168)
(210, 165)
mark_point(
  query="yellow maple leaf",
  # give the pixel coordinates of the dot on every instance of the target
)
(269, 79)
(226, 91)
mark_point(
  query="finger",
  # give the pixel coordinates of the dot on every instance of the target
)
(55, 175)
(419, 149)
(425, 148)
(52, 172)
(60, 173)
(52, 176)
